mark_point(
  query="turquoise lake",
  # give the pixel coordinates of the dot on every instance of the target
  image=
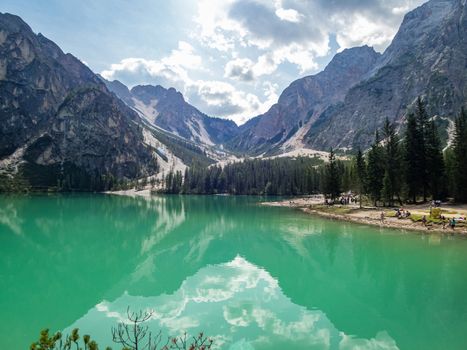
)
(249, 276)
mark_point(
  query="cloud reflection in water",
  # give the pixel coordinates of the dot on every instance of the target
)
(237, 303)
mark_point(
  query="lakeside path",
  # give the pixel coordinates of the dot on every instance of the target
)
(371, 216)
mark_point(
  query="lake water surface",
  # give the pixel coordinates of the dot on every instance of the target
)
(252, 277)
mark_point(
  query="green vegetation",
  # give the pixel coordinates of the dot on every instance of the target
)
(459, 161)
(393, 170)
(332, 178)
(132, 334)
(280, 176)
(415, 167)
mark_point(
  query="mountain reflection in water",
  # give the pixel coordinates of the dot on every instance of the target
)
(248, 275)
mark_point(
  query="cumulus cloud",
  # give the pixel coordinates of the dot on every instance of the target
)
(290, 15)
(222, 99)
(168, 71)
(240, 69)
(252, 48)
(295, 31)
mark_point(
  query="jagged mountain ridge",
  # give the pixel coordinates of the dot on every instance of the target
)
(56, 114)
(167, 109)
(427, 58)
(342, 106)
(55, 110)
(303, 101)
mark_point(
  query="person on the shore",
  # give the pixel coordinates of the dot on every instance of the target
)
(398, 213)
(424, 220)
(452, 223)
(382, 217)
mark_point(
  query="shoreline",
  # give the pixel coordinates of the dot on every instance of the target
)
(367, 216)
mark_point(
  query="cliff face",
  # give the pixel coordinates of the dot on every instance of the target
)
(57, 115)
(167, 109)
(427, 58)
(54, 111)
(284, 125)
(342, 106)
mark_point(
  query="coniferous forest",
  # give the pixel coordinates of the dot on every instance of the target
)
(407, 165)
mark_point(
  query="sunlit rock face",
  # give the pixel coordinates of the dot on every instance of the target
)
(342, 106)
(167, 109)
(426, 58)
(55, 110)
(239, 305)
(283, 126)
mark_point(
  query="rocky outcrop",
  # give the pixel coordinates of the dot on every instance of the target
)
(342, 106)
(427, 58)
(54, 110)
(167, 109)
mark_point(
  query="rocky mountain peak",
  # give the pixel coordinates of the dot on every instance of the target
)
(427, 58)
(57, 118)
(420, 27)
(167, 109)
(284, 125)
(147, 93)
(13, 23)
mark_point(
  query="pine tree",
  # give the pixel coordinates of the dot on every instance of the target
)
(387, 192)
(392, 164)
(460, 157)
(375, 170)
(421, 150)
(411, 157)
(332, 181)
(435, 162)
(361, 174)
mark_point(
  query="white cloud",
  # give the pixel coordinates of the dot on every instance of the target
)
(170, 71)
(290, 15)
(359, 30)
(215, 28)
(221, 99)
(295, 31)
(240, 69)
(400, 10)
(257, 42)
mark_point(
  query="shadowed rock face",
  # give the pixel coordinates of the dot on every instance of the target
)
(427, 58)
(57, 110)
(167, 109)
(344, 105)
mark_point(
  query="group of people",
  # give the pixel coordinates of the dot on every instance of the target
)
(347, 199)
(401, 213)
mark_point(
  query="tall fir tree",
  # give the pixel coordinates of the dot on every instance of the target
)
(460, 157)
(361, 175)
(375, 170)
(422, 126)
(392, 164)
(435, 162)
(387, 191)
(332, 180)
(412, 156)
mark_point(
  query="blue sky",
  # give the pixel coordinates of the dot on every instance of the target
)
(230, 58)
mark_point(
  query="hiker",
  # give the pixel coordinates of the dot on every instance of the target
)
(382, 217)
(424, 220)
